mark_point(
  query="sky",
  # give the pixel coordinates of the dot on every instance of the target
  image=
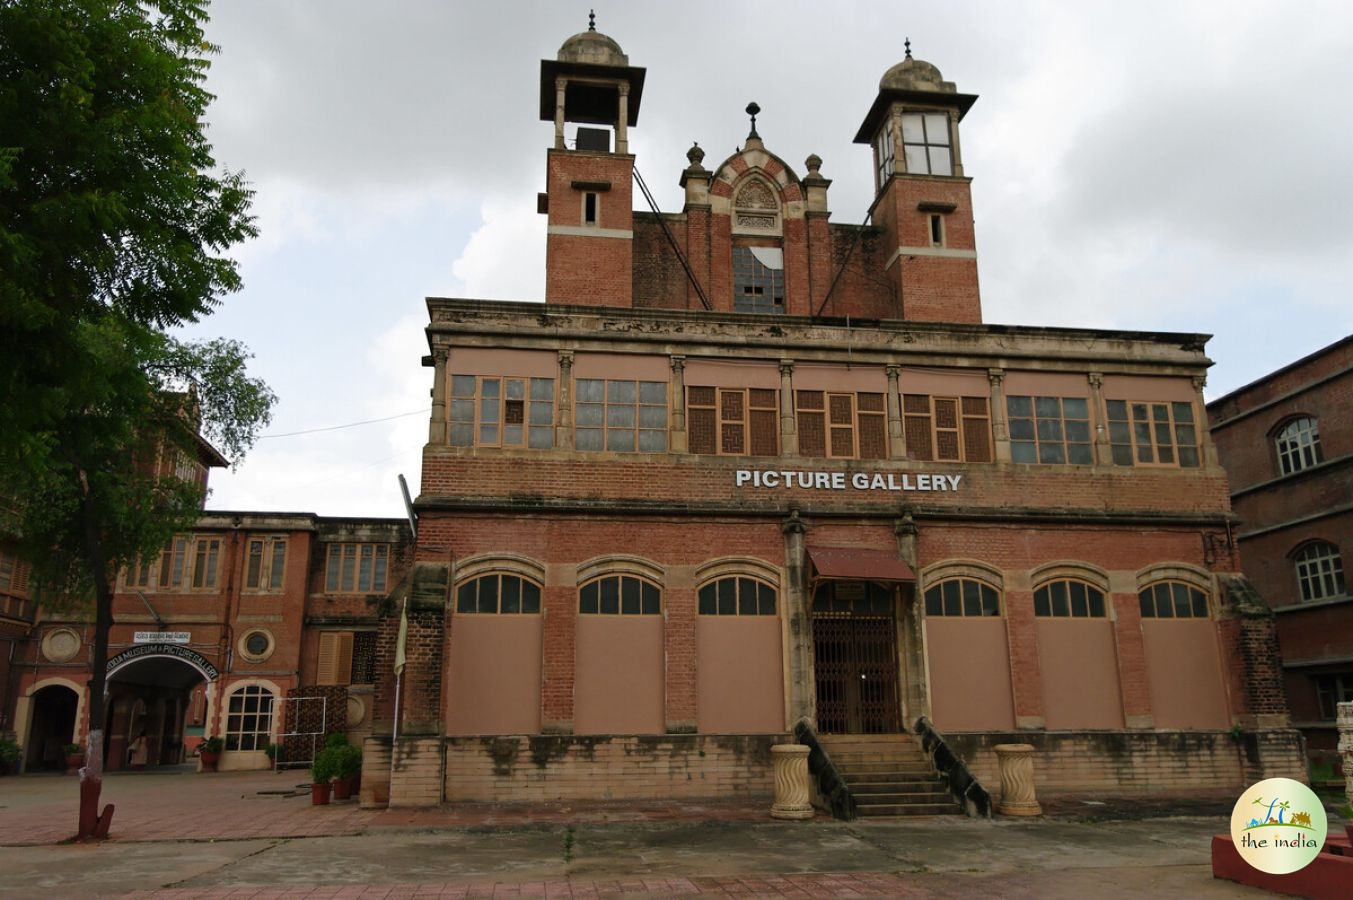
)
(1154, 166)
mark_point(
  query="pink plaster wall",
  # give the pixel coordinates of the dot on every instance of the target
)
(969, 674)
(739, 675)
(1080, 674)
(1184, 670)
(493, 675)
(618, 679)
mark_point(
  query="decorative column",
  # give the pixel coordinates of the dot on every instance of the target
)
(802, 690)
(560, 89)
(622, 143)
(437, 424)
(791, 782)
(789, 435)
(1210, 458)
(1345, 721)
(563, 431)
(897, 441)
(1000, 431)
(1017, 780)
(676, 435)
(1103, 449)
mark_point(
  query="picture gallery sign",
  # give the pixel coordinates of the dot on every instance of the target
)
(175, 651)
(840, 481)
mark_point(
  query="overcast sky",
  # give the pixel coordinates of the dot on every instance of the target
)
(1156, 166)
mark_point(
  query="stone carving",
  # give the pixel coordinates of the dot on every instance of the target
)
(1345, 722)
(1017, 780)
(791, 782)
(755, 195)
(750, 221)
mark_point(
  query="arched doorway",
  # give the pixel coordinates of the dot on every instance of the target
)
(159, 696)
(52, 727)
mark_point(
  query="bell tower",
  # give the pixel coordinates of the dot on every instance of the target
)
(590, 172)
(924, 201)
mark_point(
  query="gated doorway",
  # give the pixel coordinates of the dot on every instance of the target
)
(855, 657)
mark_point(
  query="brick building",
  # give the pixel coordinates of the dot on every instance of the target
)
(251, 626)
(1286, 441)
(747, 469)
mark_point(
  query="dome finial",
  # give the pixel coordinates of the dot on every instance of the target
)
(907, 44)
(752, 110)
(592, 21)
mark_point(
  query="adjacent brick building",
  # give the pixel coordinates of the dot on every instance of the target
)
(1286, 441)
(747, 468)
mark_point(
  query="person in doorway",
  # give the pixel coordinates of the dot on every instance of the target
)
(139, 751)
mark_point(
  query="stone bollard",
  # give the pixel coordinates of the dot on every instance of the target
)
(1017, 780)
(1345, 721)
(791, 782)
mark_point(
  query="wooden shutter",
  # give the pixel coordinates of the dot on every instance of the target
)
(812, 423)
(916, 428)
(335, 658)
(764, 423)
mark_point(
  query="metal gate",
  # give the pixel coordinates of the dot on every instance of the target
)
(855, 658)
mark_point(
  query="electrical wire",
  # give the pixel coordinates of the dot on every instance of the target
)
(416, 412)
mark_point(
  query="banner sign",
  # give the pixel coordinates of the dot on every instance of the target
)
(161, 637)
(193, 658)
(840, 481)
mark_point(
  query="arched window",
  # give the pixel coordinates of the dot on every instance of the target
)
(737, 597)
(623, 595)
(1172, 600)
(1068, 598)
(499, 593)
(249, 718)
(962, 597)
(1320, 571)
(1298, 445)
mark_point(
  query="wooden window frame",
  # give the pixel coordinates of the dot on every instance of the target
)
(269, 575)
(922, 416)
(646, 597)
(1046, 603)
(1145, 432)
(737, 595)
(836, 428)
(14, 574)
(1297, 444)
(1166, 595)
(235, 734)
(339, 654)
(343, 568)
(1041, 425)
(610, 428)
(472, 598)
(186, 564)
(749, 433)
(1319, 569)
(478, 403)
(961, 597)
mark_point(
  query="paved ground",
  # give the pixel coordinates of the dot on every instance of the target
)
(249, 835)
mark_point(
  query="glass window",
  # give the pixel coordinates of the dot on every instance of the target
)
(1298, 445)
(1049, 430)
(1172, 600)
(1330, 691)
(926, 144)
(265, 564)
(962, 597)
(621, 416)
(357, 568)
(501, 412)
(624, 595)
(1146, 434)
(1320, 572)
(735, 596)
(249, 718)
(758, 280)
(499, 594)
(1069, 598)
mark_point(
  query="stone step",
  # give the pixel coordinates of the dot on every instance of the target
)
(897, 810)
(929, 786)
(875, 767)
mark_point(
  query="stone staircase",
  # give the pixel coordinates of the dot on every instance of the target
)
(888, 775)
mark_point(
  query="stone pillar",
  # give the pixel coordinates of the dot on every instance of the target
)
(563, 431)
(1345, 721)
(1017, 780)
(1098, 415)
(789, 434)
(622, 143)
(560, 90)
(676, 435)
(1000, 430)
(802, 690)
(1210, 458)
(897, 441)
(437, 424)
(791, 782)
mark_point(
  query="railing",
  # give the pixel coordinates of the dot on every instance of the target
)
(963, 787)
(830, 785)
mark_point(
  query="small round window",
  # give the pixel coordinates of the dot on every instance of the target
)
(256, 645)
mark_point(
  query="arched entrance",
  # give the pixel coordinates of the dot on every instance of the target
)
(52, 727)
(154, 690)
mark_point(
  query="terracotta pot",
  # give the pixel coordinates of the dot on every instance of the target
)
(210, 760)
(319, 794)
(342, 788)
(73, 762)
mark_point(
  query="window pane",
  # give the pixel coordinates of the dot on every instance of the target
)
(462, 386)
(620, 416)
(765, 602)
(1048, 407)
(652, 441)
(708, 601)
(1060, 606)
(1042, 606)
(587, 598)
(465, 598)
(1199, 600)
(972, 598)
(620, 392)
(937, 129)
(913, 131)
(939, 161)
(916, 159)
(991, 604)
(728, 601)
(620, 441)
(653, 393)
(511, 598)
(933, 605)
(610, 596)
(588, 439)
(488, 594)
(651, 599)
(1019, 406)
(1075, 408)
(629, 596)
(591, 390)
(1096, 604)
(746, 597)
(530, 598)
(953, 601)
(1080, 604)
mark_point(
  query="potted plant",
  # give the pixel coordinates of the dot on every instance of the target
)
(10, 753)
(75, 758)
(210, 752)
(273, 750)
(321, 773)
(347, 761)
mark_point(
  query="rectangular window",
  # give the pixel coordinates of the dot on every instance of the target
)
(883, 152)
(356, 568)
(590, 208)
(183, 564)
(1330, 691)
(733, 421)
(1152, 434)
(620, 416)
(925, 141)
(265, 564)
(346, 657)
(758, 280)
(206, 560)
(502, 412)
(841, 425)
(936, 230)
(946, 429)
(1050, 430)
(13, 574)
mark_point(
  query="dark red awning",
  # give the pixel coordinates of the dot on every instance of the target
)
(851, 562)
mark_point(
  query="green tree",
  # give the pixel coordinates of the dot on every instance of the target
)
(114, 230)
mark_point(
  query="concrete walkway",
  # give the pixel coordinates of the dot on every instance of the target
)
(251, 835)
